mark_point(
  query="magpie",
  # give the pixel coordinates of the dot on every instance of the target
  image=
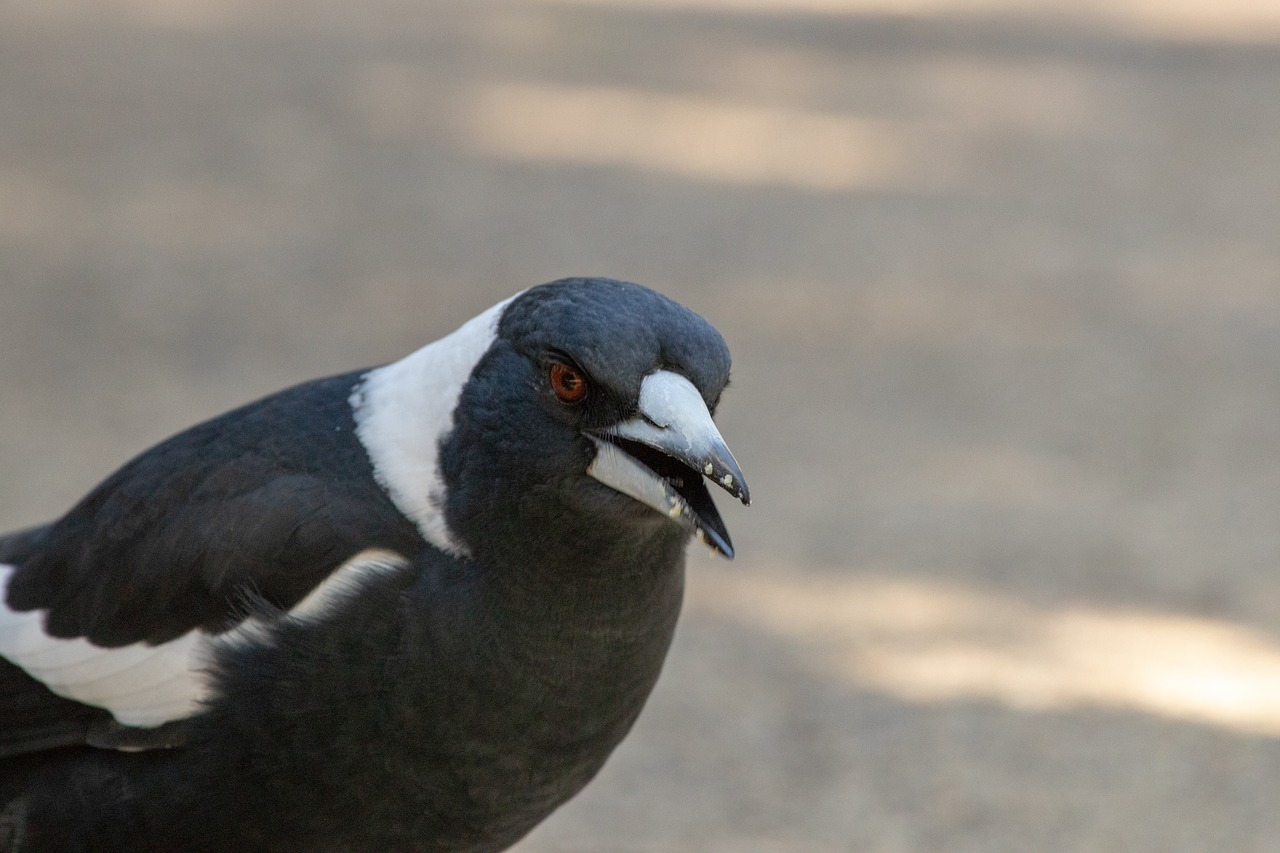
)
(407, 608)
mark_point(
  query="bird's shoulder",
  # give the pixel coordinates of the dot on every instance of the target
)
(267, 499)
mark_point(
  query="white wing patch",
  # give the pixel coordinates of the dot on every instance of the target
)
(404, 409)
(140, 685)
(147, 686)
(342, 583)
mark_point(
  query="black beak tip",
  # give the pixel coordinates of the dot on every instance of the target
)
(733, 483)
(723, 547)
(718, 542)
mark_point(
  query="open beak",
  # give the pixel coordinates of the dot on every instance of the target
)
(661, 456)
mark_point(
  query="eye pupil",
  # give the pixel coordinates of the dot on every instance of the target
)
(567, 383)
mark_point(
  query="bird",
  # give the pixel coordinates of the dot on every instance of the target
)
(413, 607)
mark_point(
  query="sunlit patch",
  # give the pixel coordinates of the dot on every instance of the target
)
(1225, 20)
(709, 139)
(929, 642)
(1228, 20)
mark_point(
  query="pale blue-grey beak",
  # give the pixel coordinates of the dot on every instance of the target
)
(661, 456)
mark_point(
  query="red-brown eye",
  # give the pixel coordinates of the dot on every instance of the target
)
(570, 385)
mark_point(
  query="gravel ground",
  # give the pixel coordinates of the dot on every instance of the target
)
(1001, 280)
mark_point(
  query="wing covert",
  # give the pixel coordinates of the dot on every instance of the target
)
(264, 501)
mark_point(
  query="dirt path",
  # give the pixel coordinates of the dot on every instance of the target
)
(1003, 288)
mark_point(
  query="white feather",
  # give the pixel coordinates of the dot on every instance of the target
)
(403, 410)
(144, 685)
(320, 603)
(140, 685)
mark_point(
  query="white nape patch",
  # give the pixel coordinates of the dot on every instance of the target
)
(403, 411)
(342, 583)
(147, 686)
(140, 685)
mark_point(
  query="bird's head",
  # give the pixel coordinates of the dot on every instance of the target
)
(586, 409)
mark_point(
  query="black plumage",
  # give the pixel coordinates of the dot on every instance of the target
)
(276, 493)
(389, 638)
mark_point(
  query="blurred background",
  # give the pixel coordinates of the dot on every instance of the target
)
(1002, 282)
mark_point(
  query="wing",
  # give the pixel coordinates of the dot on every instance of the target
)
(268, 499)
(261, 504)
(33, 718)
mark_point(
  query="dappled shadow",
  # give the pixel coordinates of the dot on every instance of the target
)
(799, 750)
(1000, 281)
(928, 641)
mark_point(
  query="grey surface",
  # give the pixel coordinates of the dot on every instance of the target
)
(1002, 290)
